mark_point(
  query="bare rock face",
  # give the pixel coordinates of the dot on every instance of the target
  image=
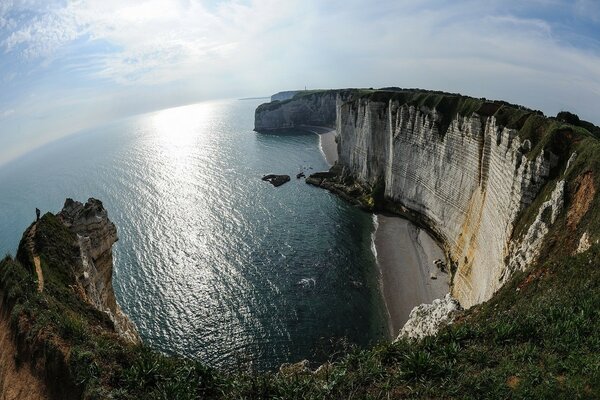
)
(428, 319)
(276, 180)
(91, 221)
(96, 235)
(524, 252)
(467, 175)
(317, 109)
(469, 182)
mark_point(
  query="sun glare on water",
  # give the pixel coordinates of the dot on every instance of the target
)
(181, 131)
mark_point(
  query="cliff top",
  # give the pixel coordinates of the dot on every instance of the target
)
(449, 105)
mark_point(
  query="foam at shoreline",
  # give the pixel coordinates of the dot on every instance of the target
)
(404, 253)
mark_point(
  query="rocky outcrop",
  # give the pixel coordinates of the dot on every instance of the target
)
(525, 251)
(96, 235)
(276, 180)
(428, 319)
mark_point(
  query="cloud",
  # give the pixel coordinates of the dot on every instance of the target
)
(589, 9)
(159, 41)
(6, 113)
(107, 58)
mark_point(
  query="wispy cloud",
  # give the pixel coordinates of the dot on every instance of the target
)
(588, 9)
(103, 58)
(6, 113)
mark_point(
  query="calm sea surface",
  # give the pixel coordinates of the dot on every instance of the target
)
(212, 262)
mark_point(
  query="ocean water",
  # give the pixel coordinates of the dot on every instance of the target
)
(212, 262)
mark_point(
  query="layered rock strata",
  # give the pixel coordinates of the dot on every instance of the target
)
(465, 175)
(304, 109)
(96, 235)
(469, 182)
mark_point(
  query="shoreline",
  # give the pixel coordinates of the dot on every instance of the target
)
(405, 255)
(327, 143)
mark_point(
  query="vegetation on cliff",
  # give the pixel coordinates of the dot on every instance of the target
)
(73, 347)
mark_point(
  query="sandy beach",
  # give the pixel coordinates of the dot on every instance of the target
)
(329, 146)
(405, 254)
(326, 142)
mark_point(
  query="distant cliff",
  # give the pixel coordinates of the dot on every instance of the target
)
(488, 178)
(313, 108)
(282, 96)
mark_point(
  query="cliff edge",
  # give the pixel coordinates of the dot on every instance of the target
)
(493, 181)
(96, 235)
(57, 303)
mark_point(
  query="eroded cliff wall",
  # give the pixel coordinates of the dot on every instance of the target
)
(96, 235)
(487, 177)
(57, 305)
(469, 182)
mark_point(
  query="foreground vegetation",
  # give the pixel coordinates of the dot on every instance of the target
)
(539, 337)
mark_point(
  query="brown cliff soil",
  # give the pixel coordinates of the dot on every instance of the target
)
(17, 382)
(582, 200)
(30, 247)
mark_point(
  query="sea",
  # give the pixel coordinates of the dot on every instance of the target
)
(213, 263)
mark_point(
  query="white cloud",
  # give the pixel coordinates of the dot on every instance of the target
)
(589, 9)
(6, 113)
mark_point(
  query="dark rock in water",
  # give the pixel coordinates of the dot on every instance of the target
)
(300, 175)
(276, 180)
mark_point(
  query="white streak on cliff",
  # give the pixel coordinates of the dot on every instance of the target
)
(469, 183)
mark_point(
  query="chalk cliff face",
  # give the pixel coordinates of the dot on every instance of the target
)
(96, 235)
(282, 96)
(452, 162)
(469, 182)
(304, 109)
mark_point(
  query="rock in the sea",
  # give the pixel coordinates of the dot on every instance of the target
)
(300, 175)
(428, 319)
(276, 180)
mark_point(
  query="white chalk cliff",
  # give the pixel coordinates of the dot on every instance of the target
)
(465, 175)
(96, 235)
(469, 182)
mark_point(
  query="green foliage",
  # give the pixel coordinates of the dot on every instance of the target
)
(72, 327)
(539, 335)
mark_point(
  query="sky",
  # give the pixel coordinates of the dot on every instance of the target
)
(71, 65)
